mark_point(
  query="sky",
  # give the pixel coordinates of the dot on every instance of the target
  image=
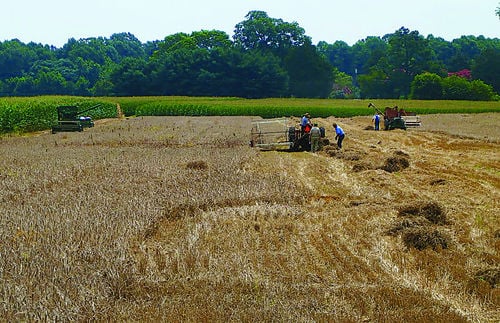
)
(53, 22)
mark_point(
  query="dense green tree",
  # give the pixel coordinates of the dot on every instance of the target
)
(16, 58)
(487, 68)
(172, 43)
(81, 87)
(442, 52)
(20, 86)
(260, 32)
(456, 88)
(481, 91)
(459, 88)
(103, 86)
(222, 71)
(211, 39)
(367, 53)
(409, 54)
(89, 49)
(310, 74)
(126, 45)
(266, 57)
(206, 63)
(466, 50)
(51, 82)
(339, 54)
(427, 86)
(375, 85)
(128, 78)
(343, 86)
(73, 71)
(151, 47)
(174, 68)
(258, 75)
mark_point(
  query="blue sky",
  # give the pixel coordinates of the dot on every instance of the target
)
(53, 22)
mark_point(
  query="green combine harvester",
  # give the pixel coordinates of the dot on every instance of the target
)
(70, 118)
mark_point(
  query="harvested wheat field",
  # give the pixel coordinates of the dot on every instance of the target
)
(178, 219)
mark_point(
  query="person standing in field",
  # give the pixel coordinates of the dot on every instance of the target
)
(305, 123)
(339, 135)
(314, 136)
(376, 121)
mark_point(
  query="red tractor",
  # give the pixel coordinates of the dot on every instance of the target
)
(395, 118)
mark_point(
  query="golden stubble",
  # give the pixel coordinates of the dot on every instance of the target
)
(176, 218)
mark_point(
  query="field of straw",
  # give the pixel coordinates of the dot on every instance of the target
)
(178, 219)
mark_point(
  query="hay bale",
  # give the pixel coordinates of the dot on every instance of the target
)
(439, 181)
(197, 165)
(342, 154)
(395, 164)
(332, 152)
(405, 224)
(431, 211)
(486, 283)
(409, 210)
(491, 276)
(330, 148)
(422, 238)
(324, 142)
(434, 213)
(400, 153)
(353, 156)
(359, 167)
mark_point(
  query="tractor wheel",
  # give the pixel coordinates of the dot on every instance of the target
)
(291, 134)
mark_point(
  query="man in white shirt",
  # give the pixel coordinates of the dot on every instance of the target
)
(314, 136)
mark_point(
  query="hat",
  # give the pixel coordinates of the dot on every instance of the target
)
(307, 114)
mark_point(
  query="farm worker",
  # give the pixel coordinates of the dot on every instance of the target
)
(339, 135)
(314, 136)
(376, 121)
(305, 123)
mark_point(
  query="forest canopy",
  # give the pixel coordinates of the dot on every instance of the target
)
(266, 57)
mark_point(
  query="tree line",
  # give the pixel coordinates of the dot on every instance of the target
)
(266, 57)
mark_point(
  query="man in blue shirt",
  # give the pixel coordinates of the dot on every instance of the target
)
(376, 121)
(305, 122)
(339, 135)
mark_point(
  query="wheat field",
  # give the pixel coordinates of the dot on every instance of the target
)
(178, 219)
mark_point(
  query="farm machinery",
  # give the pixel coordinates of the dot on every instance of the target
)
(280, 134)
(396, 118)
(71, 118)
